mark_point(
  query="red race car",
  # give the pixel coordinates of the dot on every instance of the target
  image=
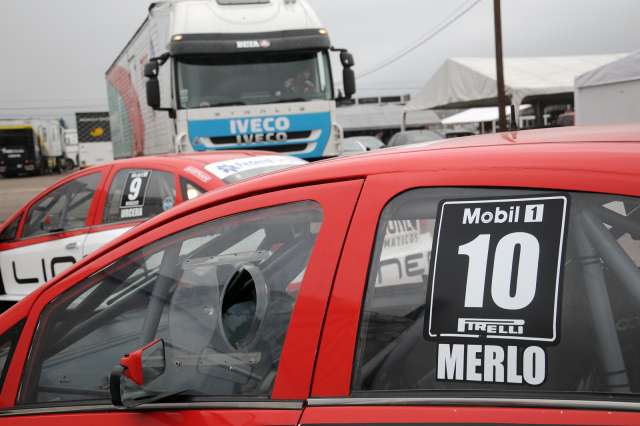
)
(92, 207)
(486, 280)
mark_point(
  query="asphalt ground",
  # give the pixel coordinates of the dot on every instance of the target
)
(16, 191)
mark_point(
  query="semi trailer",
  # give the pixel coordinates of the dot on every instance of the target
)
(31, 146)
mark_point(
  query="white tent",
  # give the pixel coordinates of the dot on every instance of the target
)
(471, 82)
(610, 93)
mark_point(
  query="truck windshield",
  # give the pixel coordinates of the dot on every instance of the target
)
(253, 79)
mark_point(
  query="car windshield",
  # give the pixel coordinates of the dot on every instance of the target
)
(254, 79)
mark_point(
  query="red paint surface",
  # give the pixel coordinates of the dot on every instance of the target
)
(466, 415)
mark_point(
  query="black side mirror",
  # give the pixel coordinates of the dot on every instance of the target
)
(347, 59)
(151, 70)
(153, 93)
(349, 82)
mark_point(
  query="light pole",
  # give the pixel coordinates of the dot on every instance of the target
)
(502, 100)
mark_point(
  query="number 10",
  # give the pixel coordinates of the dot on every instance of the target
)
(526, 280)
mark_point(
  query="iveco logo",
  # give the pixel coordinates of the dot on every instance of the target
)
(253, 44)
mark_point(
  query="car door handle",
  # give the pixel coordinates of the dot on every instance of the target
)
(71, 246)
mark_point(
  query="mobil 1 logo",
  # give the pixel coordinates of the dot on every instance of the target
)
(133, 194)
(495, 278)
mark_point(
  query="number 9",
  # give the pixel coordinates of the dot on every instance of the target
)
(134, 188)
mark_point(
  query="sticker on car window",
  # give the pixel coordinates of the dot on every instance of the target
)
(494, 287)
(133, 194)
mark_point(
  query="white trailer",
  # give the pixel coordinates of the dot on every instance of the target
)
(609, 94)
(71, 148)
(227, 74)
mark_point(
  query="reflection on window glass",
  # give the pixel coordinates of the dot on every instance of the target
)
(220, 295)
(190, 190)
(596, 351)
(9, 233)
(7, 345)
(253, 79)
(64, 209)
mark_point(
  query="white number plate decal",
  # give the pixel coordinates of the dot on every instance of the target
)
(496, 270)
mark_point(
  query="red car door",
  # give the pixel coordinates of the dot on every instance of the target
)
(426, 325)
(52, 233)
(237, 293)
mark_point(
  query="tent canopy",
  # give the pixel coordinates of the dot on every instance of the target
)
(471, 82)
(624, 69)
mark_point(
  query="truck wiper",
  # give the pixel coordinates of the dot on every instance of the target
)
(224, 104)
(283, 101)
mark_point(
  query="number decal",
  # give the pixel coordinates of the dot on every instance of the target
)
(134, 193)
(134, 188)
(496, 269)
(478, 253)
(525, 286)
(504, 257)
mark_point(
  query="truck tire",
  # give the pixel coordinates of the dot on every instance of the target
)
(68, 165)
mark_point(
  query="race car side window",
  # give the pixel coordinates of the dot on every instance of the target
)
(220, 295)
(9, 233)
(7, 346)
(139, 194)
(190, 190)
(64, 209)
(518, 292)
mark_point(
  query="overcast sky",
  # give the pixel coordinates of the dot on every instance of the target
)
(54, 54)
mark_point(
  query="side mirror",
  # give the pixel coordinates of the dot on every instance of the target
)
(48, 225)
(349, 82)
(347, 59)
(151, 69)
(153, 93)
(140, 367)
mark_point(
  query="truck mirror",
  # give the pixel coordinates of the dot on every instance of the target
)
(153, 93)
(349, 82)
(151, 69)
(347, 59)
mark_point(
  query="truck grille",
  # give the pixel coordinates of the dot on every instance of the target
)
(225, 140)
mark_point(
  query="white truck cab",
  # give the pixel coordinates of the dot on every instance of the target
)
(231, 74)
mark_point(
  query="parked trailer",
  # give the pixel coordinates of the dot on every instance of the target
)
(227, 74)
(31, 147)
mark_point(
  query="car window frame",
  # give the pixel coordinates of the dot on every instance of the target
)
(102, 171)
(289, 386)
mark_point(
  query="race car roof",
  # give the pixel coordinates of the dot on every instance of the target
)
(606, 149)
(179, 160)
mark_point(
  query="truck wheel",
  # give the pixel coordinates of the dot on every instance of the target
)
(68, 165)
